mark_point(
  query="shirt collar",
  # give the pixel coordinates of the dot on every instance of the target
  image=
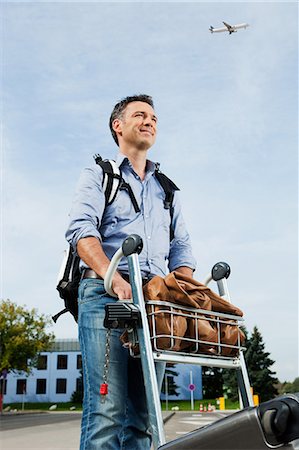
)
(122, 160)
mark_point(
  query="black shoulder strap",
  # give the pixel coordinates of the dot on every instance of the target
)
(113, 181)
(169, 188)
(111, 178)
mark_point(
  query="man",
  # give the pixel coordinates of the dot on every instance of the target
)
(96, 232)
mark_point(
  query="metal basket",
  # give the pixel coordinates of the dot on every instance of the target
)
(184, 330)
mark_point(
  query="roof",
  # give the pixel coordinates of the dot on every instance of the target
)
(65, 345)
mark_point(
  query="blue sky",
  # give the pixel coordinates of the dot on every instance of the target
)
(228, 113)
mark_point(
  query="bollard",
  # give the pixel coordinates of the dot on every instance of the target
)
(221, 403)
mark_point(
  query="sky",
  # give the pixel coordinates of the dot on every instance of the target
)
(228, 111)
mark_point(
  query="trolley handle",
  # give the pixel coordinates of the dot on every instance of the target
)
(132, 244)
(219, 273)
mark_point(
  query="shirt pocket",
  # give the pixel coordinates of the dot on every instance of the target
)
(121, 209)
(124, 205)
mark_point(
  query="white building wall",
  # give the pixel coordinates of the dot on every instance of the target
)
(51, 374)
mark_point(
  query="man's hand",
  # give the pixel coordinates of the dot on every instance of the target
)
(121, 287)
(91, 252)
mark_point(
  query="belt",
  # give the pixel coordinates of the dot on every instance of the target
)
(89, 273)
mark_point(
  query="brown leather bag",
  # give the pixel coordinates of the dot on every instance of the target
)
(156, 289)
(162, 321)
(183, 290)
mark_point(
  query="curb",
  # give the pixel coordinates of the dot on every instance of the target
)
(20, 412)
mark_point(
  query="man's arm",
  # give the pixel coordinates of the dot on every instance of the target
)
(91, 252)
(181, 258)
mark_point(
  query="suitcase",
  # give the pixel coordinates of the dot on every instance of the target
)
(272, 424)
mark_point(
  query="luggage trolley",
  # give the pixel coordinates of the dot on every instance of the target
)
(139, 320)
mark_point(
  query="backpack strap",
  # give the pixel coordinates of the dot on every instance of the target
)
(169, 188)
(113, 181)
(126, 187)
(111, 178)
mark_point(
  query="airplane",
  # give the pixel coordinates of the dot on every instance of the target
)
(230, 28)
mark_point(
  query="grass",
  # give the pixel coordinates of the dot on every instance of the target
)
(43, 406)
(183, 405)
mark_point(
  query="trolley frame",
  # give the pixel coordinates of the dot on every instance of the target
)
(149, 356)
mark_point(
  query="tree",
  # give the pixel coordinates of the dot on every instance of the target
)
(229, 376)
(77, 395)
(22, 337)
(258, 364)
(230, 384)
(170, 373)
(212, 382)
(288, 387)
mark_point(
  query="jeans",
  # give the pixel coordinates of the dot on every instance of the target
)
(121, 422)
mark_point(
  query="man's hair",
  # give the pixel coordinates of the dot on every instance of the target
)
(119, 108)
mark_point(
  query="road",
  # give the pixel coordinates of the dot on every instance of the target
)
(184, 422)
(16, 421)
(61, 431)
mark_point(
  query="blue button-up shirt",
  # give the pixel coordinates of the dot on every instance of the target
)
(111, 225)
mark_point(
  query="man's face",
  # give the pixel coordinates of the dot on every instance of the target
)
(138, 126)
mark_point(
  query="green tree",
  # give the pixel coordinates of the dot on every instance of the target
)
(289, 388)
(212, 382)
(77, 395)
(22, 337)
(258, 363)
(230, 384)
(171, 385)
(229, 376)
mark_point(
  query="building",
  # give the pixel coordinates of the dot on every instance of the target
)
(58, 375)
(183, 380)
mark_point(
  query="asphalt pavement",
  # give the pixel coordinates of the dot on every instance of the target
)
(61, 430)
(44, 431)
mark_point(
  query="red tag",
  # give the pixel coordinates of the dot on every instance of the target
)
(104, 389)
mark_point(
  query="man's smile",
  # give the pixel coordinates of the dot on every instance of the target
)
(147, 131)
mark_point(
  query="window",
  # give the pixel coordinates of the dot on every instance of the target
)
(42, 362)
(61, 386)
(21, 386)
(79, 361)
(62, 362)
(41, 386)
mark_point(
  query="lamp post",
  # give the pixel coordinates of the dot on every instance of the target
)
(191, 389)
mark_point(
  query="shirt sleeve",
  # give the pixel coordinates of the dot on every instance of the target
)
(87, 207)
(180, 253)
